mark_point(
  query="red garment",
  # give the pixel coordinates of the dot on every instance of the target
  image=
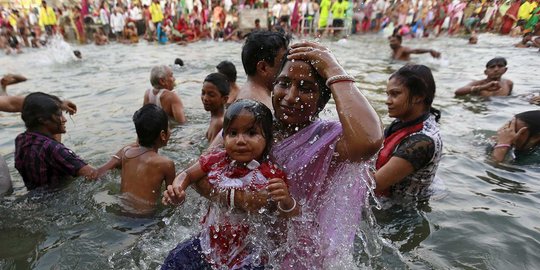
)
(391, 142)
(507, 21)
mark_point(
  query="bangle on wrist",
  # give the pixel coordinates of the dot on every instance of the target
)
(339, 78)
(500, 145)
(289, 210)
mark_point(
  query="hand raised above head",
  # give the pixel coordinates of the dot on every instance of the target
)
(320, 57)
(507, 133)
(69, 107)
(435, 54)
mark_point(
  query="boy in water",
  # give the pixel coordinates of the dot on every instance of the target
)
(40, 159)
(493, 85)
(143, 169)
(214, 96)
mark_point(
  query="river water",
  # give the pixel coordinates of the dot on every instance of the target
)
(486, 218)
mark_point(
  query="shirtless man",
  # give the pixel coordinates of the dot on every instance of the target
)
(214, 95)
(493, 85)
(100, 38)
(261, 56)
(143, 169)
(228, 69)
(404, 53)
(162, 95)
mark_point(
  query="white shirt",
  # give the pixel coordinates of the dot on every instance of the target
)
(117, 22)
(135, 13)
(276, 10)
(103, 16)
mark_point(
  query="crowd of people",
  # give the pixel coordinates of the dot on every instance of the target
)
(30, 23)
(269, 150)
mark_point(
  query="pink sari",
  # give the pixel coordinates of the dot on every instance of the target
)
(331, 193)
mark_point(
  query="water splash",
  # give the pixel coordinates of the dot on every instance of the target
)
(57, 51)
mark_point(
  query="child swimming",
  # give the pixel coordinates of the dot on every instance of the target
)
(243, 166)
(214, 95)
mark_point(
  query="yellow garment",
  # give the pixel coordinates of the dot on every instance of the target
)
(338, 9)
(13, 20)
(525, 10)
(155, 11)
(47, 16)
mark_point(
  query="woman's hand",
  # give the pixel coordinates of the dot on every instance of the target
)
(279, 192)
(507, 133)
(320, 57)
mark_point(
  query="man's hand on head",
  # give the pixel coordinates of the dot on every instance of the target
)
(69, 107)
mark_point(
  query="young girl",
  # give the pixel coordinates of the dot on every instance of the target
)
(224, 241)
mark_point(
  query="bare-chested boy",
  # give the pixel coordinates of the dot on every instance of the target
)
(214, 96)
(493, 85)
(163, 94)
(143, 169)
(404, 53)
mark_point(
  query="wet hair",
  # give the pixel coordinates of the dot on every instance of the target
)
(228, 69)
(77, 54)
(532, 120)
(419, 80)
(220, 81)
(262, 115)
(324, 91)
(149, 121)
(157, 73)
(38, 107)
(179, 62)
(495, 61)
(262, 46)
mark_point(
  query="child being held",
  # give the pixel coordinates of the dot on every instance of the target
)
(143, 169)
(244, 166)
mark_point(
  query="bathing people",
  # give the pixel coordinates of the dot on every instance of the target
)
(100, 38)
(163, 95)
(39, 158)
(407, 163)
(519, 138)
(143, 169)
(402, 53)
(228, 69)
(214, 96)
(323, 159)
(225, 241)
(493, 84)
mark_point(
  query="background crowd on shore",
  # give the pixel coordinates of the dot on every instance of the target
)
(29, 23)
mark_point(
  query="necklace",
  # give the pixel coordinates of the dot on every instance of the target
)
(146, 150)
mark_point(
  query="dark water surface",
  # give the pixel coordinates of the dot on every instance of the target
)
(488, 219)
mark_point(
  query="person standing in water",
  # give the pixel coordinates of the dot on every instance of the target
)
(143, 169)
(519, 138)
(228, 69)
(163, 95)
(412, 147)
(214, 96)
(493, 85)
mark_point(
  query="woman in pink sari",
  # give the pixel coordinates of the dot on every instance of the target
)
(510, 17)
(325, 160)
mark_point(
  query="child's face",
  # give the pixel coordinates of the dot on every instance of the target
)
(211, 98)
(244, 140)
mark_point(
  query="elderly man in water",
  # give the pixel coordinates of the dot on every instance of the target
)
(162, 94)
(402, 53)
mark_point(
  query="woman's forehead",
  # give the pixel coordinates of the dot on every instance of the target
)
(297, 69)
